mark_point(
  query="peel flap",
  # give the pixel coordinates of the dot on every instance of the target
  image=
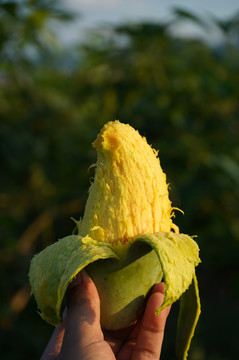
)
(189, 313)
(178, 255)
(53, 269)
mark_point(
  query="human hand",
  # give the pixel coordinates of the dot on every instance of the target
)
(81, 337)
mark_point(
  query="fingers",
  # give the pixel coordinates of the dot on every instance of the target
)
(54, 345)
(83, 306)
(150, 337)
(146, 339)
(83, 337)
(128, 347)
(117, 338)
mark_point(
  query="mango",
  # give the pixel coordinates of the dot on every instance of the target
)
(126, 240)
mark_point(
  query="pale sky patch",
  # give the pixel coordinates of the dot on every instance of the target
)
(94, 13)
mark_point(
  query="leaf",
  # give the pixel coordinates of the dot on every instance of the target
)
(184, 14)
(10, 7)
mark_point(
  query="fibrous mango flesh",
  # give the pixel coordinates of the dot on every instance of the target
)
(126, 241)
(129, 195)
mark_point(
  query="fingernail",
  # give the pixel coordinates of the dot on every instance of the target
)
(84, 276)
(76, 281)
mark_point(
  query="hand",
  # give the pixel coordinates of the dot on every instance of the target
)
(81, 337)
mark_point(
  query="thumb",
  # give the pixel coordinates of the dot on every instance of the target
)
(82, 294)
(82, 324)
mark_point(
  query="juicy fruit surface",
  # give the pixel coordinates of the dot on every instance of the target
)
(129, 196)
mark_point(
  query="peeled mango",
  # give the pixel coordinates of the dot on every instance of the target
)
(126, 240)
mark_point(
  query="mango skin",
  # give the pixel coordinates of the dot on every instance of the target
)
(124, 287)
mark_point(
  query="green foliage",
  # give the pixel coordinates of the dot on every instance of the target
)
(182, 94)
(25, 30)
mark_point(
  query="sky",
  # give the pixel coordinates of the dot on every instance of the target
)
(99, 12)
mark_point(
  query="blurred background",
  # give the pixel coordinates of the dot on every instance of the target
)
(168, 68)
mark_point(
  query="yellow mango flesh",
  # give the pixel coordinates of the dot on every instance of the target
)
(129, 196)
